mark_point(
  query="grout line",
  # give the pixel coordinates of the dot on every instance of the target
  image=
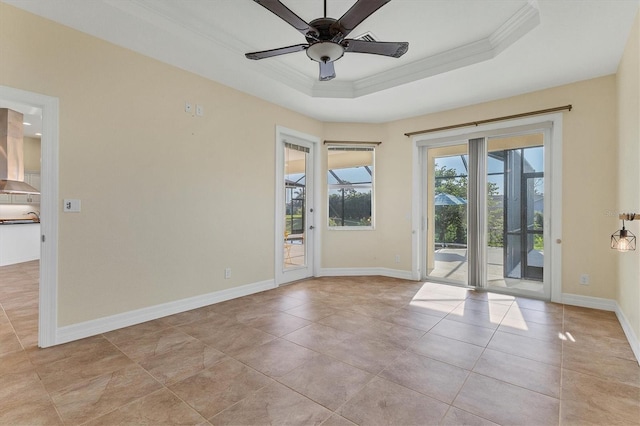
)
(560, 404)
(13, 329)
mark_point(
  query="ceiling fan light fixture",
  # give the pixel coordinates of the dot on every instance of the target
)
(327, 37)
(325, 51)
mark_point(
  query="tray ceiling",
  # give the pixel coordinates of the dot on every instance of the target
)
(460, 51)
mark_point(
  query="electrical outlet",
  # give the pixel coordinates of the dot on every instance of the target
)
(397, 258)
(227, 273)
(584, 279)
(187, 107)
(199, 110)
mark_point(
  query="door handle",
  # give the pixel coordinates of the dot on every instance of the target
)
(312, 227)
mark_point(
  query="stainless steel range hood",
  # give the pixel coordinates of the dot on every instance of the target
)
(16, 187)
(12, 154)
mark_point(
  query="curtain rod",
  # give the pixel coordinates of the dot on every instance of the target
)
(491, 120)
(351, 143)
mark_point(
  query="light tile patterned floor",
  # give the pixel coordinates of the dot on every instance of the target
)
(331, 351)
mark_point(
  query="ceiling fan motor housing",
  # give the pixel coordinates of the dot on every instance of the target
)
(322, 48)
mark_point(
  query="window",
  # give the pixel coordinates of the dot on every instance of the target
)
(350, 179)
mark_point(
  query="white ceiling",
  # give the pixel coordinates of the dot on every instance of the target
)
(461, 52)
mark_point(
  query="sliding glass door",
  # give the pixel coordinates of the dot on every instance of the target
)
(484, 204)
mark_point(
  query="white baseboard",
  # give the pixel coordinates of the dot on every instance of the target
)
(589, 302)
(628, 331)
(606, 305)
(354, 272)
(102, 325)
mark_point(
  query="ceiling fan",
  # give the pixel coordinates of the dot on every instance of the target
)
(326, 37)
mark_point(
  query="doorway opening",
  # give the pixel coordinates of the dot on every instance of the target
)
(19, 220)
(48, 267)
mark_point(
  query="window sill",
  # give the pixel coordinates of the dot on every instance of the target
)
(351, 228)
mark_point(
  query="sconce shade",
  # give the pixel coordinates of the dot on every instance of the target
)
(623, 240)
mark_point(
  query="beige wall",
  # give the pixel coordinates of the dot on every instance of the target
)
(363, 248)
(589, 170)
(628, 178)
(168, 199)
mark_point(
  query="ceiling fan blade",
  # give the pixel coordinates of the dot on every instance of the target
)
(327, 71)
(276, 52)
(287, 15)
(391, 48)
(360, 11)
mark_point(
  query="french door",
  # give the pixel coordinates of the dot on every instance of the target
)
(484, 201)
(295, 206)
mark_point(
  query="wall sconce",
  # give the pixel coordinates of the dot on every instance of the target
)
(624, 240)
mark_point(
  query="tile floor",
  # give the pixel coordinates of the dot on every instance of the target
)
(331, 351)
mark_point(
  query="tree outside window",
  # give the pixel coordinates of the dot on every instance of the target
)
(350, 179)
(451, 219)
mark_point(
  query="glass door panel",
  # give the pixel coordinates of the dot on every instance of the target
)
(295, 188)
(447, 256)
(515, 204)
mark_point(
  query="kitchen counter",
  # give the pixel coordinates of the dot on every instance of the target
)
(18, 221)
(19, 242)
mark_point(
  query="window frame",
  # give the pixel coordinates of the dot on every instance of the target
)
(348, 147)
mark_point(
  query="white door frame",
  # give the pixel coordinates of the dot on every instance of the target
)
(553, 187)
(312, 220)
(47, 307)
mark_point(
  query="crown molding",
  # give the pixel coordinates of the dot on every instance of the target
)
(196, 31)
(521, 23)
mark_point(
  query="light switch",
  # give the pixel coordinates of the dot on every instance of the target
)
(71, 205)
